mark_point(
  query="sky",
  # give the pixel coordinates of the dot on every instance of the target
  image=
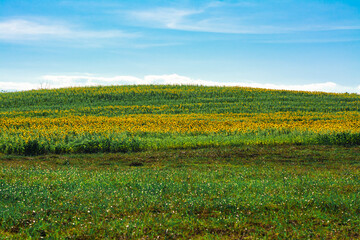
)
(280, 44)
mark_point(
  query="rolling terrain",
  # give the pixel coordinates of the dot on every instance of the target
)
(179, 162)
(136, 118)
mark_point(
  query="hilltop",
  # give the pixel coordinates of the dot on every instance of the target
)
(177, 99)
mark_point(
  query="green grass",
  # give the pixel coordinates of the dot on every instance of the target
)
(130, 142)
(264, 184)
(172, 100)
(282, 192)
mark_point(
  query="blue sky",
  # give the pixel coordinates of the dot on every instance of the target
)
(281, 44)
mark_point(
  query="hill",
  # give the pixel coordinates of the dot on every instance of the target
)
(175, 99)
(134, 118)
(179, 162)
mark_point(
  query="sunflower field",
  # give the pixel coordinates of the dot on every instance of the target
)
(135, 118)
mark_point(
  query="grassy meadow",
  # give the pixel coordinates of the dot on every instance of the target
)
(179, 162)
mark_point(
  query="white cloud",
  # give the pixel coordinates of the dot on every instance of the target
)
(246, 17)
(20, 29)
(60, 81)
(15, 27)
(195, 20)
(167, 17)
(18, 86)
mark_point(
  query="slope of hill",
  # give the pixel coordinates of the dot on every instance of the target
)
(133, 118)
(212, 163)
(176, 99)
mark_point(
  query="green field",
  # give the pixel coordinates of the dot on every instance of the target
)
(171, 99)
(213, 193)
(179, 162)
(140, 118)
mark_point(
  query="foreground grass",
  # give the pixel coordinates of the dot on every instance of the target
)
(283, 191)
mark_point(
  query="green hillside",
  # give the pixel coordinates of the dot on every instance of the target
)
(136, 118)
(177, 99)
(179, 162)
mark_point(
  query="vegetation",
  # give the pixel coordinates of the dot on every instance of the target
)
(254, 192)
(173, 99)
(179, 162)
(138, 118)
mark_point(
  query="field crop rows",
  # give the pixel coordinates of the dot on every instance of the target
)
(133, 118)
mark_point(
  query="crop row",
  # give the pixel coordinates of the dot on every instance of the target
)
(181, 123)
(24, 135)
(175, 99)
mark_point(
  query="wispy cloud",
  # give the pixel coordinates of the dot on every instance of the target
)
(167, 17)
(21, 29)
(196, 20)
(60, 81)
(245, 17)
